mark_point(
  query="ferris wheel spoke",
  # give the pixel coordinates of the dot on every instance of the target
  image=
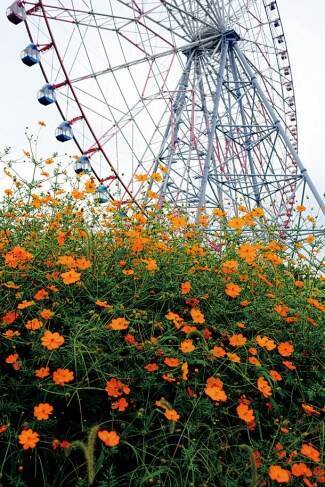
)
(187, 15)
(160, 23)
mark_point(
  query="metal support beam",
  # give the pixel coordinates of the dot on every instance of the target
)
(212, 128)
(177, 110)
(247, 135)
(279, 127)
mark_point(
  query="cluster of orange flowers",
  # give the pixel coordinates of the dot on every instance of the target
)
(193, 337)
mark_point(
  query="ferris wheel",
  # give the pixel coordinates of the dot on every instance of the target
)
(186, 101)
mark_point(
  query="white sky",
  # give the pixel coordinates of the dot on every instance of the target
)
(304, 27)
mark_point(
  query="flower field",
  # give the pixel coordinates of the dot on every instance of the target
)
(135, 350)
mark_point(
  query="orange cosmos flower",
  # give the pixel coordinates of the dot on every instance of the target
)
(151, 264)
(254, 361)
(229, 267)
(309, 409)
(197, 316)
(77, 195)
(247, 252)
(264, 387)
(128, 272)
(151, 367)
(9, 317)
(282, 310)
(12, 358)
(156, 177)
(171, 362)
(299, 284)
(130, 339)
(316, 304)
(172, 415)
(319, 473)
(109, 438)
(184, 371)
(289, 365)
(118, 324)
(168, 378)
(232, 290)
(25, 304)
(236, 223)
(257, 212)
(218, 352)
(152, 194)
(265, 342)
(18, 257)
(187, 346)
(34, 324)
(103, 304)
(178, 222)
(301, 208)
(237, 340)
(275, 375)
(279, 474)
(188, 329)
(70, 277)
(219, 212)
(10, 334)
(67, 261)
(301, 470)
(214, 389)
(245, 413)
(42, 372)
(28, 438)
(233, 357)
(115, 388)
(175, 318)
(46, 314)
(141, 178)
(285, 349)
(273, 258)
(43, 411)
(3, 428)
(120, 405)
(280, 451)
(41, 294)
(90, 186)
(61, 376)
(185, 287)
(82, 263)
(52, 288)
(51, 341)
(310, 452)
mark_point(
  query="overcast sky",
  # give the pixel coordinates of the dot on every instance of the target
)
(304, 27)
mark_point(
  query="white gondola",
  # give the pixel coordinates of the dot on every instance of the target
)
(46, 95)
(30, 55)
(82, 165)
(64, 132)
(16, 13)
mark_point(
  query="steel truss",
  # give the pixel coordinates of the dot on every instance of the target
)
(259, 176)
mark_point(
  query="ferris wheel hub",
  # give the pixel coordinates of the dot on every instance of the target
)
(211, 39)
